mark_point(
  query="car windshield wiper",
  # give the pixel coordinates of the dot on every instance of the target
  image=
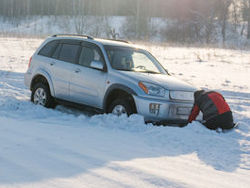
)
(150, 72)
(123, 69)
(143, 71)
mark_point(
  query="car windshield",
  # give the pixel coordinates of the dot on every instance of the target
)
(130, 59)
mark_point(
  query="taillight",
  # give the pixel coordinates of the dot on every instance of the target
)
(30, 62)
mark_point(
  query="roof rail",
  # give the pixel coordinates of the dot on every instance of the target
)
(118, 40)
(74, 35)
(89, 37)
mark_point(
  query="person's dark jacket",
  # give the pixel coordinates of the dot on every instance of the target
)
(211, 104)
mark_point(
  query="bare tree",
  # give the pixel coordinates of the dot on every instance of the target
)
(223, 12)
(248, 18)
(137, 23)
(245, 11)
(79, 17)
(235, 14)
(209, 26)
(79, 23)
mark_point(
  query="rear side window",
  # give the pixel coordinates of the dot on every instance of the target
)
(48, 49)
(57, 51)
(69, 53)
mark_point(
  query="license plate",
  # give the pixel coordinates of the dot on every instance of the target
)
(183, 110)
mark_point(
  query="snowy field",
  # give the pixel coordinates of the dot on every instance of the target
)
(66, 148)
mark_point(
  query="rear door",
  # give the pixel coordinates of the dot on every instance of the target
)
(87, 84)
(63, 58)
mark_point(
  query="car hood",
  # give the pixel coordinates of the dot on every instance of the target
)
(166, 81)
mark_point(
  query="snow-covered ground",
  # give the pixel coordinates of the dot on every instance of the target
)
(66, 148)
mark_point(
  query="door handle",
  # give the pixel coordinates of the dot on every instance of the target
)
(77, 70)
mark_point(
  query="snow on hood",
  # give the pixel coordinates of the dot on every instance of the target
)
(166, 81)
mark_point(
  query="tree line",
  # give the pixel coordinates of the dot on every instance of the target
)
(187, 20)
(17, 8)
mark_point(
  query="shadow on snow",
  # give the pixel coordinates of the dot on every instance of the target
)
(38, 153)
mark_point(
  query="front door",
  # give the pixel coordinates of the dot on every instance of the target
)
(87, 84)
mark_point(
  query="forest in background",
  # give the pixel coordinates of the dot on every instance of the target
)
(186, 21)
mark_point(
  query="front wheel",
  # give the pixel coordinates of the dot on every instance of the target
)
(120, 106)
(41, 96)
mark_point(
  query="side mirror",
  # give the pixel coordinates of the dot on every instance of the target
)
(97, 65)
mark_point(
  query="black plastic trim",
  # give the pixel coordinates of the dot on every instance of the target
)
(117, 86)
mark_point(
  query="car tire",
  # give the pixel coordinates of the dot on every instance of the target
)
(41, 95)
(120, 106)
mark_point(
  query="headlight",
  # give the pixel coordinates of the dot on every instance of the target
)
(182, 95)
(152, 89)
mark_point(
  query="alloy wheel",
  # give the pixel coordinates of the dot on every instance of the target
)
(119, 110)
(40, 97)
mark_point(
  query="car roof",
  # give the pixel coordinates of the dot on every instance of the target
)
(111, 42)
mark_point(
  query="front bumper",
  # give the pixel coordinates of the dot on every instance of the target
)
(163, 111)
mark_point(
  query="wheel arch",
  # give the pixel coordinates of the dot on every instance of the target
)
(118, 90)
(43, 76)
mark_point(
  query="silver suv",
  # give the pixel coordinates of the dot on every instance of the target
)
(111, 76)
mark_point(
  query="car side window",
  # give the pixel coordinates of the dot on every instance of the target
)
(89, 54)
(48, 49)
(69, 52)
(57, 51)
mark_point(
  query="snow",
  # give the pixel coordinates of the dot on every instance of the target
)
(66, 147)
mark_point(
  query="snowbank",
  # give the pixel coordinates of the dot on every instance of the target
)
(69, 148)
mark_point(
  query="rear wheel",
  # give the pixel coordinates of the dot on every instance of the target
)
(120, 106)
(41, 96)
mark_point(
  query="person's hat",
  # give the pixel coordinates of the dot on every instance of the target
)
(198, 93)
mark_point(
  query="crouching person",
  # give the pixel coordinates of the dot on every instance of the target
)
(216, 112)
